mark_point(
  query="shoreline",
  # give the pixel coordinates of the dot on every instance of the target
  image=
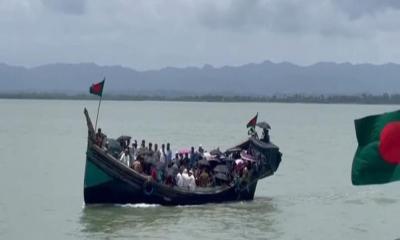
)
(365, 99)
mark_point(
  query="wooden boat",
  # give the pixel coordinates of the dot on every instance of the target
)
(108, 180)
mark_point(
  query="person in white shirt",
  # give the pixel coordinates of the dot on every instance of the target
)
(186, 180)
(133, 150)
(192, 181)
(185, 177)
(125, 157)
(179, 180)
(162, 154)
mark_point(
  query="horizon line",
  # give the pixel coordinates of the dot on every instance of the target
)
(203, 66)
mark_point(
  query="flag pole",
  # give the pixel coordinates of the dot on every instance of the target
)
(98, 108)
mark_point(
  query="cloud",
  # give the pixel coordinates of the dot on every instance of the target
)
(281, 16)
(330, 18)
(73, 7)
(359, 8)
(148, 34)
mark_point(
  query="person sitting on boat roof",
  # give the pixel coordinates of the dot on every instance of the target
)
(125, 158)
(252, 132)
(265, 135)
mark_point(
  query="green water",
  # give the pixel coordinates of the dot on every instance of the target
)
(42, 152)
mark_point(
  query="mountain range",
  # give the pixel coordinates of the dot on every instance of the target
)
(262, 79)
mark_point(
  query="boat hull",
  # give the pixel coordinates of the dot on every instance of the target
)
(109, 181)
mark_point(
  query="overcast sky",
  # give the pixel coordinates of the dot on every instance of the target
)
(147, 34)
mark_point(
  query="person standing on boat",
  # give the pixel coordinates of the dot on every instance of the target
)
(176, 159)
(192, 181)
(200, 151)
(175, 170)
(143, 145)
(193, 158)
(168, 157)
(158, 164)
(169, 176)
(185, 178)
(163, 160)
(99, 138)
(134, 150)
(204, 178)
(156, 154)
(179, 179)
(180, 160)
(186, 160)
(125, 157)
(148, 159)
(142, 149)
(163, 155)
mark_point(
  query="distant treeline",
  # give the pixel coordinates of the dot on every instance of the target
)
(281, 98)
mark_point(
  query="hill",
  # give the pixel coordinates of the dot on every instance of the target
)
(263, 79)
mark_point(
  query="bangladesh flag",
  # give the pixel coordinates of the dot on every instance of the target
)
(97, 88)
(377, 159)
(252, 123)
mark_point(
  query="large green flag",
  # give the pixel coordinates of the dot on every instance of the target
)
(377, 159)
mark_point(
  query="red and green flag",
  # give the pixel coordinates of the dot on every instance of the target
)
(252, 123)
(97, 88)
(377, 159)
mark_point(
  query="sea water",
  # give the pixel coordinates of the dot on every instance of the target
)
(42, 158)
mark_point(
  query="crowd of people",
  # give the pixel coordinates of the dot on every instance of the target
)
(182, 169)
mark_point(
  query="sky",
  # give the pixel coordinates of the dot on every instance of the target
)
(153, 34)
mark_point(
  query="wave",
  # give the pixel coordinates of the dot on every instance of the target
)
(138, 205)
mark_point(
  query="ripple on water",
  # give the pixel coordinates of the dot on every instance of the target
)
(217, 221)
(383, 200)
